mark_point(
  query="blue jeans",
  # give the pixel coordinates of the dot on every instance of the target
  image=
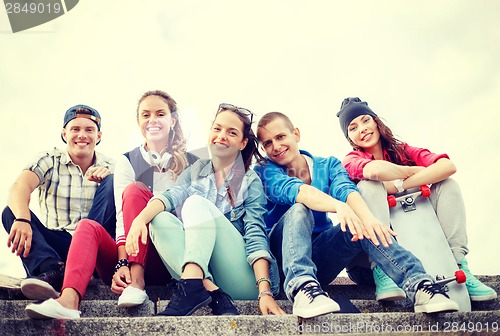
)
(49, 247)
(321, 258)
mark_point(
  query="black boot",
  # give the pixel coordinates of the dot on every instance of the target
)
(188, 296)
(222, 303)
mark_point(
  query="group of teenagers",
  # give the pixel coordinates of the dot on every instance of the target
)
(238, 226)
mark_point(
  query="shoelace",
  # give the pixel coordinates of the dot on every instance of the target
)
(433, 289)
(178, 293)
(55, 271)
(313, 291)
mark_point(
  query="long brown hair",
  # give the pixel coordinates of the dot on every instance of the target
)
(176, 142)
(393, 146)
(250, 152)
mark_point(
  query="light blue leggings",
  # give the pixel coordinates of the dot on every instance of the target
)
(208, 239)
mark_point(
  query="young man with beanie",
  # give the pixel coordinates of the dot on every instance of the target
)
(72, 184)
(380, 164)
(301, 190)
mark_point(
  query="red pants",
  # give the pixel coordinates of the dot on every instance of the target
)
(93, 248)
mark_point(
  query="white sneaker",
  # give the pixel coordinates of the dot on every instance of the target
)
(431, 298)
(37, 289)
(132, 296)
(312, 301)
(50, 309)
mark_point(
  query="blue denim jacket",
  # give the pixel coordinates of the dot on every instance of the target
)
(328, 175)
(247, 215)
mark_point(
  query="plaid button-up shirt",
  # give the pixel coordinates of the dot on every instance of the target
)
(65, 194)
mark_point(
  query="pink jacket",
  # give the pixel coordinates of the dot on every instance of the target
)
(355, 161)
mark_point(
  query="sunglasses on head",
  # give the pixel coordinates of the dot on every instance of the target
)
(234, 108)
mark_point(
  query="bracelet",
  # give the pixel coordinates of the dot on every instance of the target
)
(261, 294)
(399, 185)
(24, 220)
(257, 283)
(121, 263)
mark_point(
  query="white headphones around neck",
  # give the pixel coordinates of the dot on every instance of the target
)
(155, 159)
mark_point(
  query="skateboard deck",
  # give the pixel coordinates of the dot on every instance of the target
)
(9, 282)
(419, 231)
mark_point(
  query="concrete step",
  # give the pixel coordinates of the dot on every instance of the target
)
(108, 308)
(479, 323)
(364, 296)
(100, 315)
(340, 286)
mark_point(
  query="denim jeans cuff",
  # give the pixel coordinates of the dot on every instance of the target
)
(410, 285)
(295, 283)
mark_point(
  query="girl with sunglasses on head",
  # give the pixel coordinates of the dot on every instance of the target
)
(139, 174)
(382, 164)
(217, 246)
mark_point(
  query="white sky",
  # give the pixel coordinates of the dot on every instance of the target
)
(429, 68)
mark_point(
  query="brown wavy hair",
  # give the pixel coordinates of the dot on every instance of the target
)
(176, 142)
(394, 147)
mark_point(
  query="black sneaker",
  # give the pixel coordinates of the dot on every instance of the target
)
(222, 303)
(44, 286)
(188, 296)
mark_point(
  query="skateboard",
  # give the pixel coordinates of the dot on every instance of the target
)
(419, 231)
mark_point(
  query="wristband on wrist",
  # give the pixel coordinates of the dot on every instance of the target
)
(261, 294)
(24, 220)
(399, 185)
(121, 263)
(257, 283)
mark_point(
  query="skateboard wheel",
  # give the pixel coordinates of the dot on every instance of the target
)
(391, 200)
(425, 191)
(460, 275)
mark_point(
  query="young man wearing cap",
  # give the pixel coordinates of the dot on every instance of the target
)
(302, 189)
(72, 184)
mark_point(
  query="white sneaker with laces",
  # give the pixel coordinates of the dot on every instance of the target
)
(132, 296)
(312, 301)
(431, 298)
(50, 309)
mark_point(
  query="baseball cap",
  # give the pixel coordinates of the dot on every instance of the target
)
(82, 111)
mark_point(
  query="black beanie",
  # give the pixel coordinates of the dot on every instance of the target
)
(351, 108)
